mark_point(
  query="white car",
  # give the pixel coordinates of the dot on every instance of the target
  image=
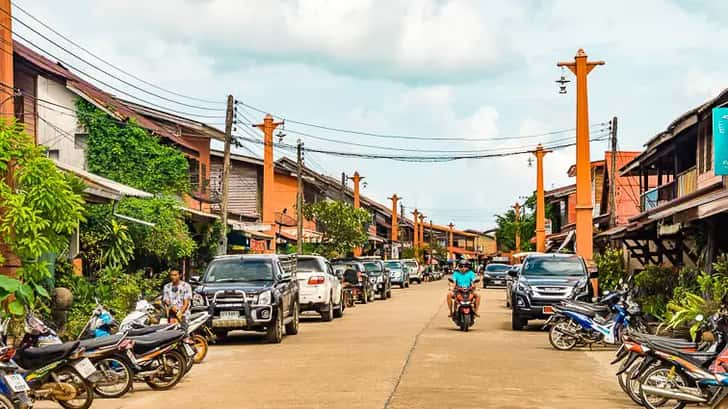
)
(319, 288)
(415, 274)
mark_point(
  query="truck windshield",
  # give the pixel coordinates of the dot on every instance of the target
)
(553, 266)
(395, 265)
(372, 267)
(221, 271)
(310, 264)
(411, 264)
(497, 267)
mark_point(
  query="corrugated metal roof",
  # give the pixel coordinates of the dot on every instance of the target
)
(109, 186)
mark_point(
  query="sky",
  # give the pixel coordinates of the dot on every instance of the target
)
(477, 70)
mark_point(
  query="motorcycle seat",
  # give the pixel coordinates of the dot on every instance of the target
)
(587, 306)
(100, 342)
(146, 343)
(581, 310)
(699, 357)
(147, 330)
(36, 357)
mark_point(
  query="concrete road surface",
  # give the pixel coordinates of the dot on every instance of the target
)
(401, 353)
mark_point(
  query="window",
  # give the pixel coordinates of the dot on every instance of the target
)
(194, 170)
(53, 154)
(79, 140)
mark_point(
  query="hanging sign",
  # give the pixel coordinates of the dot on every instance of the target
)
(720, 140)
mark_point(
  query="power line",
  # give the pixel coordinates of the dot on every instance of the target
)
(114, 66)
(111, 86)
(408, 137)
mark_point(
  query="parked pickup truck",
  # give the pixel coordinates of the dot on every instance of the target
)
(320, 288)
(542, 281)
(250, 293)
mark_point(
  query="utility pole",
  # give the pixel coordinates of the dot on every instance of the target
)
(584, 208)
(226, 175)
(343, 186)
(268, 126)
(12, 262)
(416, 238)
(395, 220)
(356, 178)
(450, 241)
(540, 152)
(299, 197)
(613, 175)
(517, 209)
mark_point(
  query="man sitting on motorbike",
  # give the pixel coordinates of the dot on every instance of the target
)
(464, 277)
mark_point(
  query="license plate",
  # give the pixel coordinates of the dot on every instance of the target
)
(85, 368)
(189, 350)
(497, 282)
(16, 383)
(229, 315)
(548, 309)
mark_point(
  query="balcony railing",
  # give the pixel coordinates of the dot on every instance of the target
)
(685, 184)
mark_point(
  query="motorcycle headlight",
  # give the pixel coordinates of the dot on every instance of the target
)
(198, 300)
(265, 297)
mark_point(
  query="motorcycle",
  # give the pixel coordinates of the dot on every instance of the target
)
(57, 372)
(13, 388)
(578, 323)
(463, 314)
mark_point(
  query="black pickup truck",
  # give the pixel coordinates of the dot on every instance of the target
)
(250, 293)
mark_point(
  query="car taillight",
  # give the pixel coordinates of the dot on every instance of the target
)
(316, 280)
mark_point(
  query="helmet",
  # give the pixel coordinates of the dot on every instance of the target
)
(464, 263)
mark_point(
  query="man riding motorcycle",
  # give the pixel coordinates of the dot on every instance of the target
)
(464, 277)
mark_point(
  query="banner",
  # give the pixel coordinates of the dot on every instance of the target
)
(720, 141)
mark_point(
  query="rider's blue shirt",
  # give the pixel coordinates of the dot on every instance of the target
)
(464, 279)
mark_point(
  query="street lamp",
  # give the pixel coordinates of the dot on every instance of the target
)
(562, 82)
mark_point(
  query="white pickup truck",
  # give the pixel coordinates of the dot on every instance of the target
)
(319, 288)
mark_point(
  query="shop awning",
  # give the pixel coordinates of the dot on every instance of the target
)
(611, 232)
(376, 239)
(198, 213)
(101, 189)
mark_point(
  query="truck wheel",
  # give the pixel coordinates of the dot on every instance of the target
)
(339, 311)
(274, 335)
(292, 327)
(406, 284)
(389, 292)
(328, 314)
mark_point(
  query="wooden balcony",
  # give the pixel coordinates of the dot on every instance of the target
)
(685, 184)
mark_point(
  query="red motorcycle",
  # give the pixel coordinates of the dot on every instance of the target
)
(464, 308)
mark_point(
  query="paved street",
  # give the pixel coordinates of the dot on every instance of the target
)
(357, 362)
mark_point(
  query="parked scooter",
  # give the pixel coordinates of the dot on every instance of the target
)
(13, 388)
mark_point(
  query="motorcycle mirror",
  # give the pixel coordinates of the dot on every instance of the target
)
(699, 317)
(605, 292)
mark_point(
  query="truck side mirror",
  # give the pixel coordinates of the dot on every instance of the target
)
(513, 273)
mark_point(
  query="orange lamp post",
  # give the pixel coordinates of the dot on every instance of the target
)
(450, 242)
(584, 208)
(540, 152)
(517, 209)
(357, 179)
(395, 217)
(268, 126)
(416, 235)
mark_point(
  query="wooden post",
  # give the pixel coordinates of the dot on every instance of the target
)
(614, 177)
(226, 175)
(268, 126)
(584, 208)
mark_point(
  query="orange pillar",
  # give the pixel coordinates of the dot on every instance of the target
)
(450, 242)
(540, 152)
(356, 178)
(584, 221)
(395, 217)
(7, 108)
(416, 235)
(517, 209)
(422, 230)
(268, 126)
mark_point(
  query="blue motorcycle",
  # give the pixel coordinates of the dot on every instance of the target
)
(575, 324)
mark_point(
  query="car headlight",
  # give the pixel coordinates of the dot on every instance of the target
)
(265, 297)
(486, 275)
(198, 300)
(524, 287)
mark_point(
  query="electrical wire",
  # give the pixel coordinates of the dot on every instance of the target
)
(408, 137)
(111, 86)
(114, 66)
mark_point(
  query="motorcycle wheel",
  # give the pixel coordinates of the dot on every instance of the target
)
(175, 368)
(561, 341)
(632, 386)
(5, 402)
(201, 346)
(85, 392)
(467, 322)
(114, 368)
(660, 377)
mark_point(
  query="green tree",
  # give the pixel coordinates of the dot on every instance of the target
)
(343, 226)
(507, 226)
(41, 207)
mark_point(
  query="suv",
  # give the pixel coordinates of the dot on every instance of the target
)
(250, 292)
(495, 274)
(320, 288)
(379, 275)
(415, 272)
(398, 273)
(543, 281)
